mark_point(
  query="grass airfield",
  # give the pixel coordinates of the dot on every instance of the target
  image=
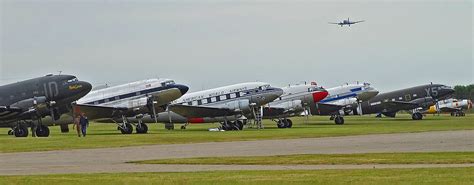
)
(106, 135)
(445, 176)
(102, 135)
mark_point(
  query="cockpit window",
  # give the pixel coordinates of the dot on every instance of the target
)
(166, 83)
(72, 80)
(445, 87)
(263, 87)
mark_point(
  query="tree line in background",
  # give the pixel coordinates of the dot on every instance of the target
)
(464, 92)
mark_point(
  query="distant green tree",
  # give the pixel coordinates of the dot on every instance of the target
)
(464, 92)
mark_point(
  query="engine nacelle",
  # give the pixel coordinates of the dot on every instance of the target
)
(38, 103)
(295, 105)
(424, 102)
(239, 105)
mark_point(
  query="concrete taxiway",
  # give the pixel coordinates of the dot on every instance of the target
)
(114, 159)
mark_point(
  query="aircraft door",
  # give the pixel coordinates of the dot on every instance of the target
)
(407, 97)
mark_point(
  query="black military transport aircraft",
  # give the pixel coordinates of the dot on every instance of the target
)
(24, 104)
(411, 98)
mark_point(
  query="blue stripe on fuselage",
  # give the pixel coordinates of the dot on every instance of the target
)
(338, 98)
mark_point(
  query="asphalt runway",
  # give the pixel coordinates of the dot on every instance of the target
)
(114, 159)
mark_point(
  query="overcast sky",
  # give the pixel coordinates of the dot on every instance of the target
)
(214, 43)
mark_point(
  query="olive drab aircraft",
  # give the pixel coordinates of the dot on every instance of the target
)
(231, 106)
(412, 98)
(294, 100)
(24, 104)
(116, 103)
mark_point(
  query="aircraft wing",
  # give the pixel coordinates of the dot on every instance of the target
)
(8, 112)
(358, 21)
(273, 111)
(190, 111)
(333, 22)
(400, 105)
(325, 109)
(99, 112)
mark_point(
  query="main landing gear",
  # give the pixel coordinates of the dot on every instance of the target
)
(127, 128)
(232, 125)
(42, 131)
(458, 113)
(338, 119)
(19, 131)
(284, 123)
(417, 116)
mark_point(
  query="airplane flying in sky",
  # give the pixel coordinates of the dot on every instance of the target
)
(342, 99)
(130, 100)
(412, 98)
(230, 105)
(346, 22)
(295, 100)
(24, 104)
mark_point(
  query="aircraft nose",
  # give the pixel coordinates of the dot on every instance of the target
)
(86, 87)
(368, 94)
(183, 89)
(278, 92)
(320, 95)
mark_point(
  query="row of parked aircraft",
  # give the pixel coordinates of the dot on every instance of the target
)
(54, 99)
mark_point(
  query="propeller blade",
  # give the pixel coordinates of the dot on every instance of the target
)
(437, 107)
(154, 113)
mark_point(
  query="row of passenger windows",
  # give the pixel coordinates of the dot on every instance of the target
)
(407, 98)
(23, 94)
(216, 98)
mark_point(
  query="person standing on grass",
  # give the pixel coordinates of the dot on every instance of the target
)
(84, 122)
(77, 124)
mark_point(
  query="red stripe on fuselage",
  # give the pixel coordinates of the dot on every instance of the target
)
(195, 120)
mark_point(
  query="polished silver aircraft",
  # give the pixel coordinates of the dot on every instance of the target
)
(295, 100)
(230, 105)
(130, 100)
(344, 100)
(25, 104)
(346, 22)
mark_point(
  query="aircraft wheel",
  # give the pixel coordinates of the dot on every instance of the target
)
(339, 120)
(183, 127)
(289, 123)
(226, 126)
(64, 128)
(281, 124)
(42, 131)
(142, 128)
(127, 130)
(417, 116)
(233, 126)
(20, 131)
(239, 125)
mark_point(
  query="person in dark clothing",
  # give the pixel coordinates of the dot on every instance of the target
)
(84, 124)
